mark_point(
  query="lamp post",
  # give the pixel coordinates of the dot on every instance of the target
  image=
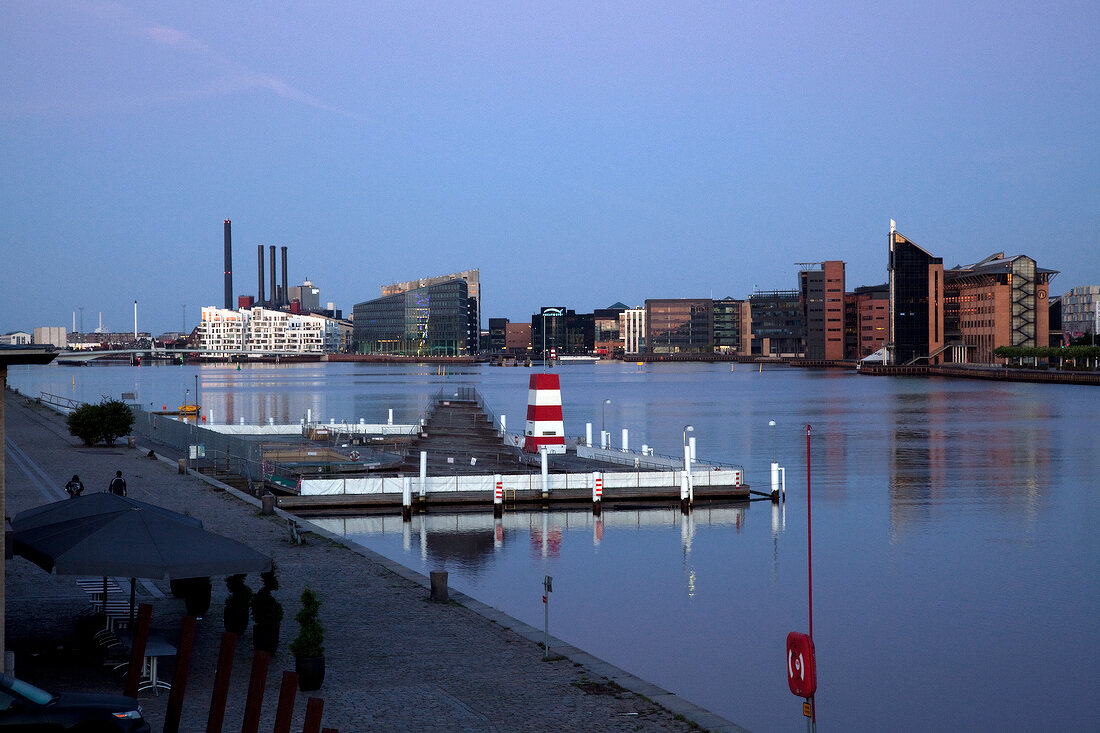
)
(688, 429)
(603, 420)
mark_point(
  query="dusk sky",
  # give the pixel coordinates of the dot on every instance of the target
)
(578, 153)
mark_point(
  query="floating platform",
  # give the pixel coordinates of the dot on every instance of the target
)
(466, 455)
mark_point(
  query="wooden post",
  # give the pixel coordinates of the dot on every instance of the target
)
(256, 684)
(179, 678)
(137, 649)
(314, 707)
(287, 693)
(221, 683)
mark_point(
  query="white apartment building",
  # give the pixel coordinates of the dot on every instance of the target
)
(16, 338)
(221, 330)
(264, 330)
(632, 330)
(1081, 311)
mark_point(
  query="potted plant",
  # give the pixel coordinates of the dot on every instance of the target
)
(237, 604)
(308, 647)
(267, 614)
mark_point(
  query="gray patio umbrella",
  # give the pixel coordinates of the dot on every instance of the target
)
(104, 534)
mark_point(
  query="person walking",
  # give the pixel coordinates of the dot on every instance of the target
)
(118, 484)
(74, 487)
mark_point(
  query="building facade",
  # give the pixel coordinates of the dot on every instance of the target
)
(996, 302)
(822, 295)
(778, 328)
(916, 301)
(1081, 311)
(679, 326)
(51, 336)
(517, 340)
(16, 338)
(632, 329)
(607, 337)
(263, 330)
(471, 278)
(427, 321)
(867, 320)
(730, 318)
(498, 336)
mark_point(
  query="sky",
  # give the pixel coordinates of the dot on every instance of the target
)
(577, 153)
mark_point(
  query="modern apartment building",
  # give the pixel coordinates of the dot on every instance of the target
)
(821, 290)
(1081, 311)
(498, 335)
(607, 336)
(679, 326)
(263, 330)
(916, 301)
(999, 301)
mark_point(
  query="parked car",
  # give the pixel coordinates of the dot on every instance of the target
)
(25, 707)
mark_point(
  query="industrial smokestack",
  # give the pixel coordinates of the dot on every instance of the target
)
(228, 266)
(260, 267)
(283, 299)
(274, 296)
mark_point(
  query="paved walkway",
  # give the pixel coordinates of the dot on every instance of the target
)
(395, 660)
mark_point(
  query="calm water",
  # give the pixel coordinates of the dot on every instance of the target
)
(954, 532)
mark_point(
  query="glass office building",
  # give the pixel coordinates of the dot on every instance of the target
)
(679, 326)
(426, 321)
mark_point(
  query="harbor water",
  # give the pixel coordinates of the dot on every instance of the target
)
(955, 543)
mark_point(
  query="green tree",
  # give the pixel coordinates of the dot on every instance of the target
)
(118, 420)
(84, 423)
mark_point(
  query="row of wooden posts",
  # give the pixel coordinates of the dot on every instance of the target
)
(256, 685)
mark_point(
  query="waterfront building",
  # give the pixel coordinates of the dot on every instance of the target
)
(471, 278)
(566, 331)
(679, 326)
(16, 338)
(632, 329)
(607, 337)
(778, 328)
(50, 335)
(222, 330)
(996, 302)
(432, 320)
(916, 301)
(497, 339)
(1054, 317)
(1081, 311)
(732, 326)
(867, 320)
(517, 340)
(821, 290)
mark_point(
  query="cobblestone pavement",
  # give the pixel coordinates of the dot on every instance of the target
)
(395, 660)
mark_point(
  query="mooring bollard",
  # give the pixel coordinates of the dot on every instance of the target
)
(498, 496)
(267, 504)
(406, 499)
(439, 585)
(182, 464)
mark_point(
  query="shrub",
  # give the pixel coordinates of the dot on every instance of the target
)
(311, 635)
(107, 421)
(266, 609)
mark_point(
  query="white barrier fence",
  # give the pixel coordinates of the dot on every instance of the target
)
(518, 482)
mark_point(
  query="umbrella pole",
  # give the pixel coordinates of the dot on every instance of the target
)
(133, 583)
(103, 603)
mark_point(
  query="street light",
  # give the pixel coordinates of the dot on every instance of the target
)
(603, 420)
(688, 429)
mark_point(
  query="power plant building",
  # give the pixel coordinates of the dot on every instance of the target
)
(430, 320)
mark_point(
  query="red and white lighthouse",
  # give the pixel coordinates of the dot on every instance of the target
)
(545, 427)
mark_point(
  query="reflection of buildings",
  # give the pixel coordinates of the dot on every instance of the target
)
(964, 450)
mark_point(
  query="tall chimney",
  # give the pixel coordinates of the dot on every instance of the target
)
(284, 298)
(274, 297)
(228, 266)
(260, 268)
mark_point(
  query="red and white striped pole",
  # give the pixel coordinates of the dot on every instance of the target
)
(597, 493)
(498, 496)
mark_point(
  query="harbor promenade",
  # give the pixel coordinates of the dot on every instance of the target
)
(395, 660)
